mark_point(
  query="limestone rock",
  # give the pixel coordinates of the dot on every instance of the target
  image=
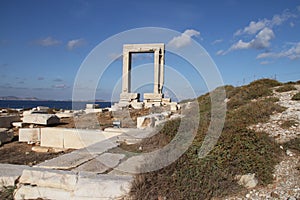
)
(150, 120)
(10, 173)
(93, 165)
(30, 135)
(110, 159)
(248, 180)
(73, 138)
(41, 119)
(65, 180)
(34, 192)
(108, 186)
(67, 161)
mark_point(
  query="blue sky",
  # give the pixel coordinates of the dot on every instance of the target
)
(43, 43)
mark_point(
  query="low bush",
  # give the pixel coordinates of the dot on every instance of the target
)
(286, 88)
(296, 97)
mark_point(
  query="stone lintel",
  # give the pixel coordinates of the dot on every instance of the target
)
(143, 48)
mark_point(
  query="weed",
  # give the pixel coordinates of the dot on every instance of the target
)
(7, 192)
(296, 97)
(286, 88)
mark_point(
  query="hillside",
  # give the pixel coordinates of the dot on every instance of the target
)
(260, 137)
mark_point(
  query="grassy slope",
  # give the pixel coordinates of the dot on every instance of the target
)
(238, 151)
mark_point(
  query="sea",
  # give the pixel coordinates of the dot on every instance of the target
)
(66, 105)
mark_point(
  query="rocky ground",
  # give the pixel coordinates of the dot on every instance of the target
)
(286, 183)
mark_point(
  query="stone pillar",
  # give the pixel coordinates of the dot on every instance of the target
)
(156, 72)
(162, 65)
(126, 79)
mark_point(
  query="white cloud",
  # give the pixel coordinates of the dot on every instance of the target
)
(46, 42)
(184, 39)
(261, 41)
(217, 41)
(298, 8)
(72, 44)
(255, 27)
(221, 52)
(252, 28)
(291, 53)
(292, 24)
(264, 55)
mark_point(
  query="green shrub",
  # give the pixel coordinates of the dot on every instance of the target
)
(296, 97)
(266, 82)
(286, 88)
(242, 95)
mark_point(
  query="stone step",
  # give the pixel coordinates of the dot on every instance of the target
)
(105, 186)
(78, 157)
(118, 130)
(10, 173)
(101, 164)
(56, 184)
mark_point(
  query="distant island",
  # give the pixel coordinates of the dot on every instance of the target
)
(14, 98)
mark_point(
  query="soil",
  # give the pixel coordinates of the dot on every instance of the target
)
(21, 154)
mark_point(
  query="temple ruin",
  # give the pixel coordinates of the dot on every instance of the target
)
(129, 98)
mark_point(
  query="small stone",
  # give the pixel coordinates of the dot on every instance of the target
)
(289, 153)
(248, 180)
